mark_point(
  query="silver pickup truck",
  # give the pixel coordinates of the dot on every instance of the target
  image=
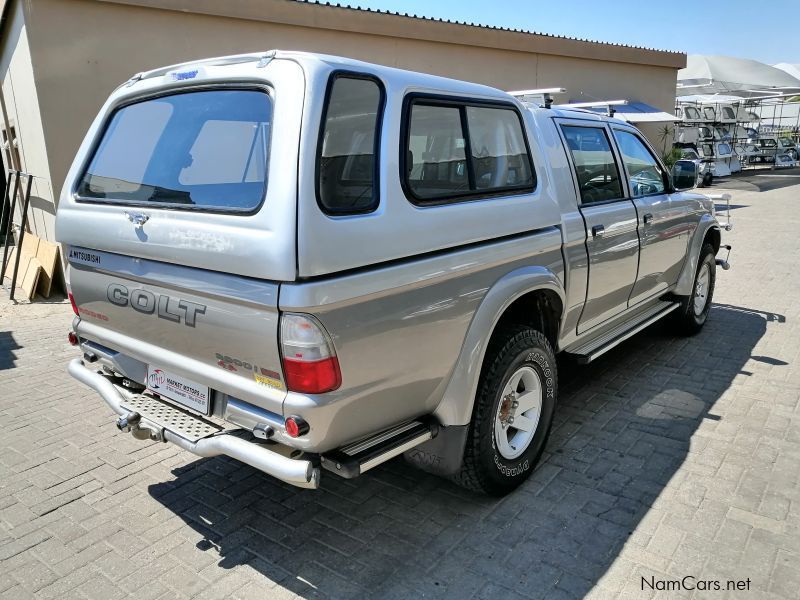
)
(313, 264)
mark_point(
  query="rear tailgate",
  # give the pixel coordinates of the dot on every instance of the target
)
(213, 329)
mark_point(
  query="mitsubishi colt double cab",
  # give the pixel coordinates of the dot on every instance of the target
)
(313, 264)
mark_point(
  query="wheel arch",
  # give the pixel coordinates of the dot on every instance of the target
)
(707, 230)
(714, 236)
(532, 295)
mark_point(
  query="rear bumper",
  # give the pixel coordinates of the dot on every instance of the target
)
(301, 473)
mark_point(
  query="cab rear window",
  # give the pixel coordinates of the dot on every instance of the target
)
(204, 150)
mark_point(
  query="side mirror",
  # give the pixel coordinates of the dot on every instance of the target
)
(684, 175)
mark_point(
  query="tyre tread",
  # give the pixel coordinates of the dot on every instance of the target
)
(469, 476)
(683, 318)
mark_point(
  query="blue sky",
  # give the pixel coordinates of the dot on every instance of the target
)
(765, 31)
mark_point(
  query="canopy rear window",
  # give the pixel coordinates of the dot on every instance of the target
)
(194, 150)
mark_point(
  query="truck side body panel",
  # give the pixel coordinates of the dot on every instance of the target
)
(400, 332)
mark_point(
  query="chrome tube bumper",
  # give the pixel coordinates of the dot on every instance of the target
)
(301, 473)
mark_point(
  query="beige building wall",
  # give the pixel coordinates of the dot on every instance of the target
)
(82, 49)
(21, 123)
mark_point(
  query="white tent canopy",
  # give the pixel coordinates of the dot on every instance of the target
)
(793, 70)
(711, 99)
(708, 74)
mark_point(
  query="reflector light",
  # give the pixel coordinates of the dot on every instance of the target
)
(73, 338)
(74, 306)
(295, 427)
(309, 359)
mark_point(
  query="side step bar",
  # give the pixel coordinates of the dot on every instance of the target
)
(599, 346)
(354, 459)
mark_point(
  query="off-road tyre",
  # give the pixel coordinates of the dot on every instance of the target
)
(686, 319)
(484, 469)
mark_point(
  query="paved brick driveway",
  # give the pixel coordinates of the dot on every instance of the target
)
(671, 457)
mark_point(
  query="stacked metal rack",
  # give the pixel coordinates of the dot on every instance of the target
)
(731, 133)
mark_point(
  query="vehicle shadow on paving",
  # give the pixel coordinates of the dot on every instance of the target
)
(759, 180)
(622, 429)
(7, 346)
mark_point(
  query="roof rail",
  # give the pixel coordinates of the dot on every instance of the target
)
(607, 104)
(541, 97)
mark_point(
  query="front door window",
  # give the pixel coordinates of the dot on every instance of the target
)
(645, 173)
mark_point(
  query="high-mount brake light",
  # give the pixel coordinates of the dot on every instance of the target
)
(309, 359)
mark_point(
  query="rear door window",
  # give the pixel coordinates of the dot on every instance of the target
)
(203, 150)
(595, 167)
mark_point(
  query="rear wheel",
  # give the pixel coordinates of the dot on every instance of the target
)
(693, 312)
(513, 412)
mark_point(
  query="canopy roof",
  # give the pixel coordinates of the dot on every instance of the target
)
(710, 99)
(709, 74)
(793, 70)
(639, 112)
(626, 110)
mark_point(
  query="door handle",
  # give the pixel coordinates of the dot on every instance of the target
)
(598, 231)
(647, 218)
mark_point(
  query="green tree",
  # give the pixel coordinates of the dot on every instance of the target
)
(671, 156)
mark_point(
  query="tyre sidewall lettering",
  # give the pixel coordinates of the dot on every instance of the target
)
(546, 372)
(517, 467)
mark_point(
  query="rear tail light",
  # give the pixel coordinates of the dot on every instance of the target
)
(309, 359)
(74, 306)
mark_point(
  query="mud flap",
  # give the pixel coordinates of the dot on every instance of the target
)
(443, 454)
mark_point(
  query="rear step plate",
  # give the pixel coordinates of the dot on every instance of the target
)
(356, 458)
(171, 418)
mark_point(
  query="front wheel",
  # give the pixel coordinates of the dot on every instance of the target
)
(513, 412)
(693, 311)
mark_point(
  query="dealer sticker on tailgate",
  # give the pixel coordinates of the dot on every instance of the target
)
(181, 390)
